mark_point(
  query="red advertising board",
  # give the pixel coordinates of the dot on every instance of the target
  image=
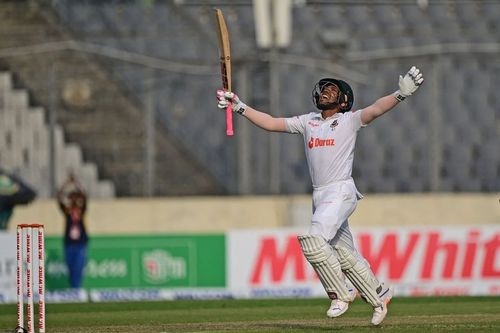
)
(451, 260)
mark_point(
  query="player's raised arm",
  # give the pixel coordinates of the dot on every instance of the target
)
(261, 119)
(407, 86)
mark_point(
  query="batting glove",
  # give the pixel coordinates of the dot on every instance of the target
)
(409, 83)
(225, 98)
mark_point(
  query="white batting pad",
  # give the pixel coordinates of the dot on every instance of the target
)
(320, 255)
(361, 276)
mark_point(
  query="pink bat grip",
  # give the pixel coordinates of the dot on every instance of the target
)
(229, 120)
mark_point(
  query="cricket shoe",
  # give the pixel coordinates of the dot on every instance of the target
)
(380, 312)
(338, 307)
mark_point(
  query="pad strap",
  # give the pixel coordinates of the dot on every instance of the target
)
(320, 255)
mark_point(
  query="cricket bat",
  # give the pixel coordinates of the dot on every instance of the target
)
(225, 65)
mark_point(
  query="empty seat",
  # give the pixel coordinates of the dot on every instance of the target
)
(459, 162)
(441, 14)
(449, 135)
(397, 161)
(413, 15)
(359, 20)
(389, 19)
(368, 173)
(385, 185)
(467, 13)
(489, 10)
(469, 132)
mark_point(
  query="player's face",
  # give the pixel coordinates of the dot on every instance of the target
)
(329, 95)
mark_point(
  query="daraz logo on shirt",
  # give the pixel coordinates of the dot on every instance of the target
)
(317, 142)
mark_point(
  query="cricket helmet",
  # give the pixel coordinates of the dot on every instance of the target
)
(346, 94)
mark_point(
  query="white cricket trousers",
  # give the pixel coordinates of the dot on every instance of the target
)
(332, 206)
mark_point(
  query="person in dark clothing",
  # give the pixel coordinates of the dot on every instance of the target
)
(13, 192)
(72, 201)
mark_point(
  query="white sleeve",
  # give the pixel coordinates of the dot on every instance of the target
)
(295, 124)
(355, 120)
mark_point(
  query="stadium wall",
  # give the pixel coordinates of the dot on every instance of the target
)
(217, 214)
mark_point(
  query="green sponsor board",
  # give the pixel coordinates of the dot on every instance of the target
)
(171, 261)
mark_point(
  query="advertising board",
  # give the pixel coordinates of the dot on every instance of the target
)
(449, 260)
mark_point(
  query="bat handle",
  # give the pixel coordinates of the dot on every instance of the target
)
(229, 120)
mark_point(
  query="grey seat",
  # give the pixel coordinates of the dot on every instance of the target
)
(385, 185)
(360, 20)
(389, 19)
(445, 24)
(412, 13)
(459, 162)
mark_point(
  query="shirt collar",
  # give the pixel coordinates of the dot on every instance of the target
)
(335, 116)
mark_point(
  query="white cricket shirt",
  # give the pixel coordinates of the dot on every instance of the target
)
(329, 144)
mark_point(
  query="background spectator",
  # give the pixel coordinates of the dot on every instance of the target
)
(73, 204)
(13, 191)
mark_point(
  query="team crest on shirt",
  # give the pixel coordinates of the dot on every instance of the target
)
(334, 124)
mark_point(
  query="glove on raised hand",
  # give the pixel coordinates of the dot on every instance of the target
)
(226, 97)
(409, 83)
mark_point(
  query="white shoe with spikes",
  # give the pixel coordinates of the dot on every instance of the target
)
(338, 307)
(380, 312)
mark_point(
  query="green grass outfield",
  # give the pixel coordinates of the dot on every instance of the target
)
(428, 314)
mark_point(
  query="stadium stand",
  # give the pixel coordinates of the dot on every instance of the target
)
(455, 113)
(25, 145)
(108, 125)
